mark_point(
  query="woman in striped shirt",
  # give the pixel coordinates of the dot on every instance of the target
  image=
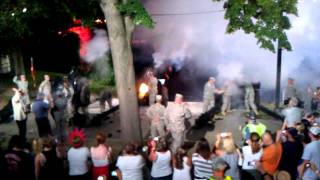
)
(202, 160)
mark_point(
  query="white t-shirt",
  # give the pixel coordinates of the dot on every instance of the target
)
(78, 158)
(161, 167)
(131, 167)
(249, 157)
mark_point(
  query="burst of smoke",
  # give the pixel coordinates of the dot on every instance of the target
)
(202, 38)
(97, 47)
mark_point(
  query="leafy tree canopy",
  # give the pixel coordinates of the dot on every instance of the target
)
(268, 20)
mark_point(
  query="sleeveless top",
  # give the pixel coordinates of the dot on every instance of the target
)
(52, 166)
(161, 167)
(184, 173)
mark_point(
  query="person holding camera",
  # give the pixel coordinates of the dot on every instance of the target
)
(311, 155)
(227, 150)
(251, 153)
(292, 148)
(161, 157)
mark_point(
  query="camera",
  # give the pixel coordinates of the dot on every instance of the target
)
(251, 163)
(308, 165)
(100, 178)
(114, 173)
(224, 134)
(145, 148)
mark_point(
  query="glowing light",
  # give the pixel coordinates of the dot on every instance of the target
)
(12, 14)
(105, 20)
(143, 90)
(98, 21)
(84, 34)
(162, 81)
(24, 10)
(59, 32)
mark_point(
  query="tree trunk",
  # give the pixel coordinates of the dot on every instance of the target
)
(18, 61)
(124, 71)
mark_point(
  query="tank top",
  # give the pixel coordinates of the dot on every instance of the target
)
(183, 173)
(161, 167)
(52, 167)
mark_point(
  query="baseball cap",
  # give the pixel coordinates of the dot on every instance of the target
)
(220, 165)
(251, 116)
(315, 130)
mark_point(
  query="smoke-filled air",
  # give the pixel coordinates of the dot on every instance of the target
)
(202, 38)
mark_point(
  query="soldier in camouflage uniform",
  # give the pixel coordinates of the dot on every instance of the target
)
(249, 99)
(227, 95)
(175, 116)
(156, 114)
(290, 91)
(209, 95)
(153, 86)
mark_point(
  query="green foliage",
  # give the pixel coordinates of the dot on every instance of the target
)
(102, 75)
(266, 19)
(23, 20)
(137, 12)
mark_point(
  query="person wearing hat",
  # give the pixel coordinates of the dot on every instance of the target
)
(290, 91)
(175, 116)
(156, 115)
(209, 94)
(249, 98)
(252, 126)
(219, 168)
(78, 156)
(311, 155)
(293, 149)
(153, 86)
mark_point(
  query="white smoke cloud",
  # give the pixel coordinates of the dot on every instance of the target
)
(202, 38)
(97, 47)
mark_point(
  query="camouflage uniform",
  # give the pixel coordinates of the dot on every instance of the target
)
(289, 92)
(45, 88)
(153, 85)
(175, 117)
(227, 95)
(249, 99)
(208, 96)
(156, 114)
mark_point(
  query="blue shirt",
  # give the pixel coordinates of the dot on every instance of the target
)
(312, 154)
(40, 109)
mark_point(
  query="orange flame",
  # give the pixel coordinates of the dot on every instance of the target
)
(143, 90)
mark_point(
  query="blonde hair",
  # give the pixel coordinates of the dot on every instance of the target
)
(228, 145)
(37, 145)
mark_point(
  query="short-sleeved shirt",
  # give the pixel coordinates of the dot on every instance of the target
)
(271, 158)
(248, 156)
(78, 158)
(312, 154)
(292, 115)
(131, 167)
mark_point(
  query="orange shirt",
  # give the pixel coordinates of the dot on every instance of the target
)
(271, 157)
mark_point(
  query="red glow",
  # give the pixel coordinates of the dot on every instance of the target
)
(84, 34)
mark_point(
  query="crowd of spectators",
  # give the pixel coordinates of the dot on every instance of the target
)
(292, 152)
